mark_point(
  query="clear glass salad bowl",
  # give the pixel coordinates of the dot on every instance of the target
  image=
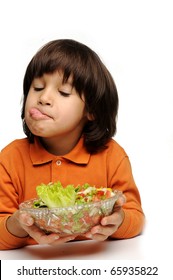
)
(76, 219)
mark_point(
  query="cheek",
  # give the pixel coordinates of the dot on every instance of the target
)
(73, 110)
(74, 116)
(26, 112)
(30, 102)
(78, 113)
(27, 103)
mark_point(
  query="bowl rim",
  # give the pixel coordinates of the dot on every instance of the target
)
(75, 206)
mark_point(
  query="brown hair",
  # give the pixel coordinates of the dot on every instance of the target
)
(90, 78)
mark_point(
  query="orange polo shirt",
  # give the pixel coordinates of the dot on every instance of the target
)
(23, 166)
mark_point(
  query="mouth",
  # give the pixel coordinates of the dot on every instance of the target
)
(37, 114)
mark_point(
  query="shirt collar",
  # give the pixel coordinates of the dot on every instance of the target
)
(79, 153)
(39, 155)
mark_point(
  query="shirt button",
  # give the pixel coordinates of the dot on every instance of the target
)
(58, 162)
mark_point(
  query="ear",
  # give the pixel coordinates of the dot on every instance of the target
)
(90, 117)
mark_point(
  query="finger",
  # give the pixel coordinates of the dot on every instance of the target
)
(99, 237)
(26, 219)
(88, 234)
(108, 230)
(48, 239)
(63, 240)
(121, 200)
(102, 233)
(39, 235)
(114, 219)
(95, 236)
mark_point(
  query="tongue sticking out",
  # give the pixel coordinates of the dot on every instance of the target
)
(37, 114)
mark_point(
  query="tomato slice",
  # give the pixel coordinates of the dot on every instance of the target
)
(108, 193)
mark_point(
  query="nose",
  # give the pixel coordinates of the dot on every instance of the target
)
(45, 98)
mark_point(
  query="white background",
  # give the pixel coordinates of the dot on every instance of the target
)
(134, 40)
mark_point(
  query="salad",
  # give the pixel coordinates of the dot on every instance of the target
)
(55, 195)
(70, 210)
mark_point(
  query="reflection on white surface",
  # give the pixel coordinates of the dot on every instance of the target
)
(112, 249)
(145, 247)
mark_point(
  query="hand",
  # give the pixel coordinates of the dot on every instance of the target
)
(109, 224)
(27, 222)
(22, 225)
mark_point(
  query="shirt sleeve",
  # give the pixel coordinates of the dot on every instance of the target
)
(9, 198)
(133, 222)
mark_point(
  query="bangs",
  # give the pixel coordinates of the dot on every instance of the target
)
(71, 59)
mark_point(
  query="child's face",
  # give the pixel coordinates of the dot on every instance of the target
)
(54, 109)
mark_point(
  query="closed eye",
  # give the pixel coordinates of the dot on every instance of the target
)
(63, 93)
(38, 88)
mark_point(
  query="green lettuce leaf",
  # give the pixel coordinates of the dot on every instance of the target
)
(55, 195)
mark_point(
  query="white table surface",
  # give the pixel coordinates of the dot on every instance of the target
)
(110, 249)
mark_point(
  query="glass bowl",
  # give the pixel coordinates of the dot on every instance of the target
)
(76, 219)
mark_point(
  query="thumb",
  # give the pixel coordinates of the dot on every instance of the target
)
(25, 219)
(121, 200)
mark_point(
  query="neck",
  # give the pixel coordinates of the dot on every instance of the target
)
(59, 146)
